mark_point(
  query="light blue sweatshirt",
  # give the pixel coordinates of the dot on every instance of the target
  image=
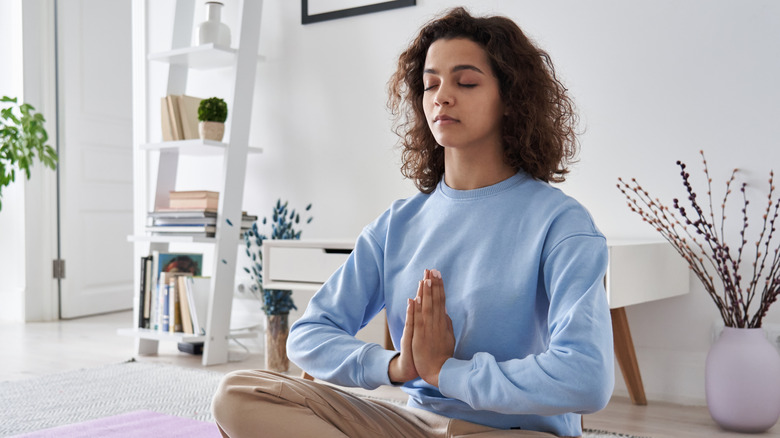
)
(523, 267)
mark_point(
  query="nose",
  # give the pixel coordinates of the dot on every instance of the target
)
(444, 96)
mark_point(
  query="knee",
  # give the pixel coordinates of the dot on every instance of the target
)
(223, 402)
(238, 392)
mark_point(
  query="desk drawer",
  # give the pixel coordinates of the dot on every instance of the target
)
(304, 265)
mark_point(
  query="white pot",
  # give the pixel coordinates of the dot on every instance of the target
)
(213, 30)
(211, 130)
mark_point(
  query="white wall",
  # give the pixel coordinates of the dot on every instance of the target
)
(655, 82)
(28, 218)
(12, 213)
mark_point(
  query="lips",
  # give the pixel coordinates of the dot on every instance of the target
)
(444, 119)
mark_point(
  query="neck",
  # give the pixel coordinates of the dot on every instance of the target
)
(469, 171)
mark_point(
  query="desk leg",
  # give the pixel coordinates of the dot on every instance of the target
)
(626, 356)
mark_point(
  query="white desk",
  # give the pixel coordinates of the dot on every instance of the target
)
(637, 273)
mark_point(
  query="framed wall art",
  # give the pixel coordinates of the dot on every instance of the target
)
(314, 11)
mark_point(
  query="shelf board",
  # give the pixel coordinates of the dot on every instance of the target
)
(194, 147)
(160, 336)
(171, 239)
(175, 337)
(203, 57)
(206, 56)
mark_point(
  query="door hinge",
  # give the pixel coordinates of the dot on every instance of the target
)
(58, 269)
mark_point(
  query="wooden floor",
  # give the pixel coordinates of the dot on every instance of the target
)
(41, 348)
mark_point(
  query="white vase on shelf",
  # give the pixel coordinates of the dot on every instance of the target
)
(213, 30)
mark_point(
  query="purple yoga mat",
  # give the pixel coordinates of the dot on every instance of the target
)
(133, 424)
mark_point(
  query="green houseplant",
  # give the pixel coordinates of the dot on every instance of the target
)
(212, 113)
(22, 137)
(276, 303)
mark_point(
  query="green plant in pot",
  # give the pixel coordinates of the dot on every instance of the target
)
(212, 113)
(276, 303)
(22, 137)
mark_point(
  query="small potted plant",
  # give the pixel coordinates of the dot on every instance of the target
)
(22, 137)
(212, 113)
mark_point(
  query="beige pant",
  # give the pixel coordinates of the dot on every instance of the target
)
(266, 404)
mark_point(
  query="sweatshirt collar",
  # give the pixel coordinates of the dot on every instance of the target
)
(481, 192)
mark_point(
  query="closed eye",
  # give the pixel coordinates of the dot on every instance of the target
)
(468, 85)
(429, 88)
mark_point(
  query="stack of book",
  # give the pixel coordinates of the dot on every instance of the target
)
(173, 297)
(179, 117)
(191, 213)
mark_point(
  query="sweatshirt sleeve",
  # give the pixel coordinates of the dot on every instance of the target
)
(323, 342)
(576, 372)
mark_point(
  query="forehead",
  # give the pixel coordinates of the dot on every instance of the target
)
(445, 53)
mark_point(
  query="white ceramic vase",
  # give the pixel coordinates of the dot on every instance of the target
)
(213, 30)
(742, 381)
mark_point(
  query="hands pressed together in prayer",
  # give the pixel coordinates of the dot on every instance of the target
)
(428, 339)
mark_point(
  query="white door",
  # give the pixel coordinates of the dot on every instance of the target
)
(95, 181)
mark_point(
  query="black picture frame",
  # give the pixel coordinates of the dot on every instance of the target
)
(306, 18)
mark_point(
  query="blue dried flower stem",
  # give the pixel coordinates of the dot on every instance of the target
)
(275, 301)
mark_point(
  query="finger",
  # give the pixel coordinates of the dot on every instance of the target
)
(418, 318)
(419, 291)
(409, 324)
(427, 300)
(436, 299)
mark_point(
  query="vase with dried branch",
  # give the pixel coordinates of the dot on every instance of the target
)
(742, 371)
(277, 303)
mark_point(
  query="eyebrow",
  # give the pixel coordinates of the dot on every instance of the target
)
(456, 69)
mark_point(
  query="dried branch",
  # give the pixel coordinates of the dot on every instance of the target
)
(711, 256)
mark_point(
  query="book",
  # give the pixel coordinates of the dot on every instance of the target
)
(202, 221)
(173, 113)
(174, 304)
(165, 121)
(147, 292)
(184, 302)
(194, 199)
(179, 213)
(193, 194)
(173, 262)
(203, 214)
(198, 288)
(163, 310)
(176, 229)
(189, 204)
(188, 111)
(184, 234)
(184, 212)
(153, 303)
(141, 294)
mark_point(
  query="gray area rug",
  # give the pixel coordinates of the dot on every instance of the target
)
(77, 396)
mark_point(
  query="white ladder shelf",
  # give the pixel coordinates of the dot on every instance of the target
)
(181, 58)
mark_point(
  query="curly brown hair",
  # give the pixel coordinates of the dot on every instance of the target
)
(539, 130)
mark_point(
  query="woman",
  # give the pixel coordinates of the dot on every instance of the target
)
(492, 279)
